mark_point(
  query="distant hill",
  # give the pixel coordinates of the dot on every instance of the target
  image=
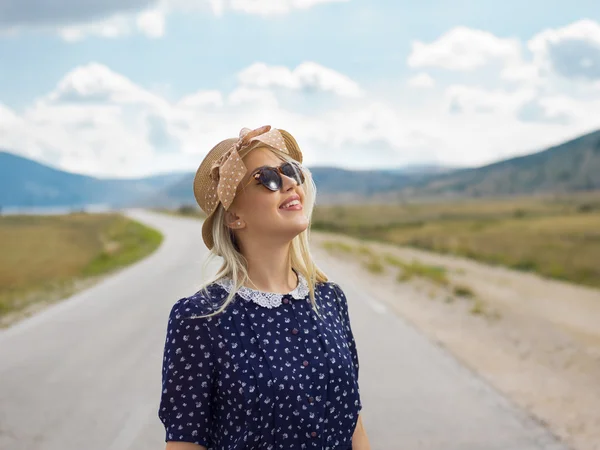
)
(27, 183)
(572, 166)
(568, 167)
(422, 169)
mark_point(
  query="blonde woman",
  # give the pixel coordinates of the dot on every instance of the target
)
(263, 355)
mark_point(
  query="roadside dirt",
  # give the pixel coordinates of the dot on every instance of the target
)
(534, 339)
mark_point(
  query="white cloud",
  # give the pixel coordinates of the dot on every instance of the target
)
(422, 80)
(95, 83)
(476, 100)
(202, 99)
(521, 72)
(464, 49)
(308, 76)
(268, 7)
(7, 116)
(253, 97)
(572, 51)
(100, 122)
(110, 28)
(558, 58)
(556, 107)
(152, 23)
(149, 22)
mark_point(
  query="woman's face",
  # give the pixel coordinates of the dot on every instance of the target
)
(258, 208)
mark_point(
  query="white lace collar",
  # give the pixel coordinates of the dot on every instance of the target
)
(266, 299)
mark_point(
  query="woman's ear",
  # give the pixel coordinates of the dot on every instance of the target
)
(232, 220)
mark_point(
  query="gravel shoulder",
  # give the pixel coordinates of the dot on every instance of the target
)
(536, 340)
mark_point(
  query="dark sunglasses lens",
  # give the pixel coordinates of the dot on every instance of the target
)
(293, 171)
(270, 179)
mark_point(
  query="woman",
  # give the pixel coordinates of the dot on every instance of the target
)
(263, 355)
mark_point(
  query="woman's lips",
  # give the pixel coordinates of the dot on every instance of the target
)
(292, 208)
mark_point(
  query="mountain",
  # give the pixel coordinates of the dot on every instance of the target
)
(421, 169)
(572, 166)
(27, 183)
(568, 167)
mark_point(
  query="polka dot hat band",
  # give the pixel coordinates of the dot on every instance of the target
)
(222, 169)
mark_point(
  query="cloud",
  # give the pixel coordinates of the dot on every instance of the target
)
(266, 7)
(152, 23)
(7, 116)
(307, 77)
(202, 99)
(476, 100)
(572, 52)
(111, 28)
(523, 72)
(159, 135)
(463, 49)
(96, 83)
(536, 111)
(61, 12)
(74, 20)
(254, 98)
(100, 122)
(422, 80)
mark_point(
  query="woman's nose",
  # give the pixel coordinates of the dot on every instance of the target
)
(287, 183)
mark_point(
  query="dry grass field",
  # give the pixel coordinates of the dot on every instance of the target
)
(555, 236)
(45, 258)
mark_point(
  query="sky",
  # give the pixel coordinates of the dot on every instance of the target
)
(129, 88)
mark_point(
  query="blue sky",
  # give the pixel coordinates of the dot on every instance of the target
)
(134, 87)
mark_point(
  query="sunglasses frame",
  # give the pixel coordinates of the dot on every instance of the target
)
(256, 176)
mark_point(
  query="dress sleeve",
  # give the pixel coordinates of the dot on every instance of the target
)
(343, 307)
(187, 377)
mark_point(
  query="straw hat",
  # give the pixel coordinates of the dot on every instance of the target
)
(222, 169)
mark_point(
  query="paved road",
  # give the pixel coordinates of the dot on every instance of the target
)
(85, 373)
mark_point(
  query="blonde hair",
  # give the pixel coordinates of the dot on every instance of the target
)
(235, 266)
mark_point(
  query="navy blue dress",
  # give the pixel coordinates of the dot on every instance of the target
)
(264, 374)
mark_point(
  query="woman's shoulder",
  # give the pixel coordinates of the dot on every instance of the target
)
(329, 285)
(205, 301)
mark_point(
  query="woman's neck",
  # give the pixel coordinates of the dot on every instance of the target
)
(270, 270)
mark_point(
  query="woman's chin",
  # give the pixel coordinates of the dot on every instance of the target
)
(298, 226)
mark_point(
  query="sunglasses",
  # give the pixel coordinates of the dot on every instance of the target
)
(270, 177)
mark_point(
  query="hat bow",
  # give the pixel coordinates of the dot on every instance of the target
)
(229, 170)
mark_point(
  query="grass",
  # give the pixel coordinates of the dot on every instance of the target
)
(337, 246)
(44, 258)
(556, 236)
(184, 210)
(436, 274)
(463, 291)
(374, 265)
(478, 308)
